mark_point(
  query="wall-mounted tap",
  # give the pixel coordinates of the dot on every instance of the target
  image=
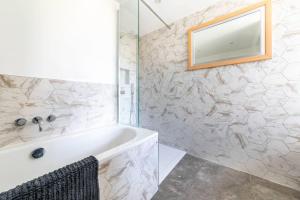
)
(38, 120)
(21, 122)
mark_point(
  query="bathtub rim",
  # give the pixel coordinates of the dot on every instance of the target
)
(141, 136)
(137, 141)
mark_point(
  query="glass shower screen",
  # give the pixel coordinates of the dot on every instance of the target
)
(128, 62)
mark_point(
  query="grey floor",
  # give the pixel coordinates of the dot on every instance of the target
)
(197, 179)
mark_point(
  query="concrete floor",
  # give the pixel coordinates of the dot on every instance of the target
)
(197, 179)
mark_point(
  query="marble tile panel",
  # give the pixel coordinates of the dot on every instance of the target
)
(132, 175)
(238, 115)
(77, 106)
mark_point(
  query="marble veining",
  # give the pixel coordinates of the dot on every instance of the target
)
(132, 175)
(242, 116)
(77, 105)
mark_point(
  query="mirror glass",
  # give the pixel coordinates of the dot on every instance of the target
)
(239, 37)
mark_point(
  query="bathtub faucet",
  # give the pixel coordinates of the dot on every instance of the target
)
(38, 120)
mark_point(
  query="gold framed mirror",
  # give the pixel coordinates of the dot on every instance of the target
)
(239, 37)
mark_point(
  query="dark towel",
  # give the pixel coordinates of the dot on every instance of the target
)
(78, 181)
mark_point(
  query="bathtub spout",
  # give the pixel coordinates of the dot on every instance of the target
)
(38, 121)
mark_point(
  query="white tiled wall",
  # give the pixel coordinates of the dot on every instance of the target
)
(245, 116)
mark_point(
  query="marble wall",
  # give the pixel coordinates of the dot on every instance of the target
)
(77, 106)
(132, 175)
(245, 116)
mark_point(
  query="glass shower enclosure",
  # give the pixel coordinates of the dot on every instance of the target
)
(128, 62)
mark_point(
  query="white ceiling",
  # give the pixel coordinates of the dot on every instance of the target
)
(169, 10)
(128, 16)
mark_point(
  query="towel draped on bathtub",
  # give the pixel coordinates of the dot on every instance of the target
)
(78, 181)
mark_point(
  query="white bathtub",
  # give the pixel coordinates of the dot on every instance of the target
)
(17, 166)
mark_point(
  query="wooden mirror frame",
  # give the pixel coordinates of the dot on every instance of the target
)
(268, 37)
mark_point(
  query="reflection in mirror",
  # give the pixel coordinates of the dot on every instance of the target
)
(241, 36)
(236, 38)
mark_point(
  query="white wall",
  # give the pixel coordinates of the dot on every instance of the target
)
(59, 39)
